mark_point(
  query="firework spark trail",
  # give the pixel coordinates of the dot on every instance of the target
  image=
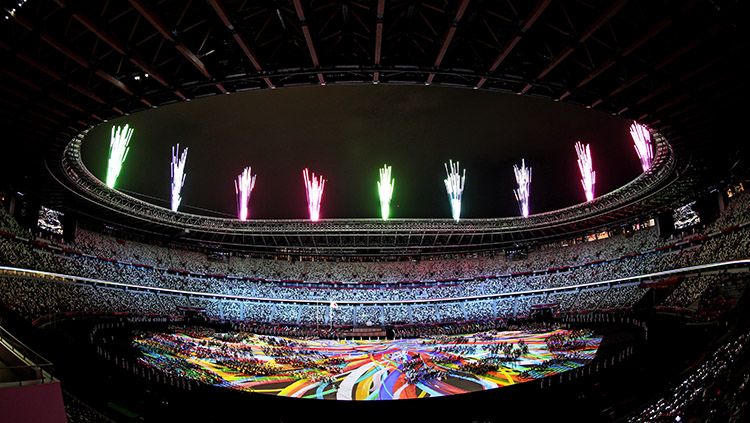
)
(454, 185)
(585, 165)
(118, 151)
(243, 186)
(178, 174)
(314, 188)
(523, 192)
(642, 143)
(385, 191)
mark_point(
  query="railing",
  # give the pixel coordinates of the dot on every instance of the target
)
(36, 369)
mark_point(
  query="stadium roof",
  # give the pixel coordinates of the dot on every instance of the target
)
(69, 64)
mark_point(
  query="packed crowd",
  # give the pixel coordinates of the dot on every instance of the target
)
(416, 370)
(9, 225)
(88, 298)
(78, 412)
(723, 246)
(715, 391)
(688, 294)
(568, 253)
(570, 340)
(312, 269)
(411, 331)
(737, 213)
(52, 299)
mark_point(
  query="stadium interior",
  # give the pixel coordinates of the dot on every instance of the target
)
(421, 271)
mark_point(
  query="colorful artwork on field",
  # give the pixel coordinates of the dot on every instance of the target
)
(366, 369)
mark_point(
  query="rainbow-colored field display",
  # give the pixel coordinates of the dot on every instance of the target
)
(366, 370)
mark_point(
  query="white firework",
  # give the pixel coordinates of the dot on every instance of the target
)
(243, 187)
(454, 186)
(586, 166)
(178, 174)
(523, 178)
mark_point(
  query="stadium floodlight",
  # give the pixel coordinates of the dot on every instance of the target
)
(243, 186)
(314, 188)
(385, 191)
(118, 151)
(178, 174)
(585, 165)
(523, 178)
(642, 143)
(454, 185)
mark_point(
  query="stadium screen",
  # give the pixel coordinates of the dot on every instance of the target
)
(686, 216)
(50, 221)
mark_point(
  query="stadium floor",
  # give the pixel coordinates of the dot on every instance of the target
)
(363, 369)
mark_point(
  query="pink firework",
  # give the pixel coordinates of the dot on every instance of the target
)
(642, 143)
(314, 188)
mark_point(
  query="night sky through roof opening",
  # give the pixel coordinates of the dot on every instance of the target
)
(347, 132)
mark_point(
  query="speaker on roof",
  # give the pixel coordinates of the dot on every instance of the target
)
(70, 225)
(665, 224)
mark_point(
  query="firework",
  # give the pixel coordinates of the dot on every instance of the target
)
(523, 178)
(243, 186)
(642, 143)
(118, 151)
(585, 165)
(385, 191)
(178, 174)
(454, 186)
(314, 188)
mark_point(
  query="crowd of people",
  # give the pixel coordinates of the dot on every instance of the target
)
(723, 246)
(715, 391)
(79, 412)
(316, 269)
(416, 370)
(736, 213)
(566, 253)
(52, 297)
(689, 293)
(569, 340)
(578, 263)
